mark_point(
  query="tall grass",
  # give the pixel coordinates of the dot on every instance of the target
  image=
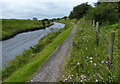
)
(37, 55)
(11, 27)
(89, 63)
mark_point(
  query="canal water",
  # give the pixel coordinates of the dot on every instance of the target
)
(19, 43)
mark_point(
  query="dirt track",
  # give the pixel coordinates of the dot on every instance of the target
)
(52, 68)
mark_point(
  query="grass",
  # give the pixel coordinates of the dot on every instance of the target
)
(25, 72)
(54, 28)
(89, 63)
(27, 55)
(11, 27)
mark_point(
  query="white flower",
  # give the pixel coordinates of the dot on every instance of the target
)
(96, 80)
(95, 64)
(90, 57)
(88, 79)
(91, 61)
(72, 75)
(81, 80)
(78, 63)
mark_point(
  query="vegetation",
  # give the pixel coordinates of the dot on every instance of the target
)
(25, 65)
(54, 28)
(79, 11)
(104, 12)
(11, 27)
(89, 63)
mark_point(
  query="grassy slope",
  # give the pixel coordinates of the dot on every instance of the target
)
(11, 27)
(29, 54)
(85, 62)
(25, 72)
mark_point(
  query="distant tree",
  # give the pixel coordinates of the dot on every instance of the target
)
(43, 22)
(65, 17)
(34, 18)
(48, 22)
(45, 19)
(79, 11)
(58, 18)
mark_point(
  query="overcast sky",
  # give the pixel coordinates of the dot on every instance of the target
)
(24, 9)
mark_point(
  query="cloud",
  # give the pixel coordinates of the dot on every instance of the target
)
(29, 9)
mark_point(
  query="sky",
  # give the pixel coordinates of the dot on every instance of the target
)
(27, 9)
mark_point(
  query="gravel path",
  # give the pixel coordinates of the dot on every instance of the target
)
(52, 68)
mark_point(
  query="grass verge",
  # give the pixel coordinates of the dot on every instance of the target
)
(89, 63)
(24, 73)
(12, 27)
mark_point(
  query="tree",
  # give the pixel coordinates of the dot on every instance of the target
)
(34, 18)
(65, 17)
(48, 22)
(104, 12)
(43, 22)
(79, 11)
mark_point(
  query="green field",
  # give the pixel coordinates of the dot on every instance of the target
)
(25, 65)
(89, 63)
(11, 27)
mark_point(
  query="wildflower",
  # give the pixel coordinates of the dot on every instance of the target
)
(102, 62)
(70, 77)
(106, 61)
(78, 78)
(78, 63)
(95, 64)
(87, 57)
(94, 75)
(31, 80)
(91, 61)
(65, 79)
(111, 64)
(63, 76)
(88, 79)
(96, 80)
(90, 57)
(81, 80)
(84, 77)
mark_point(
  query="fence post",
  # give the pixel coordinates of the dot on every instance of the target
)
(93, 23)
(110, 48)
(97, 33)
